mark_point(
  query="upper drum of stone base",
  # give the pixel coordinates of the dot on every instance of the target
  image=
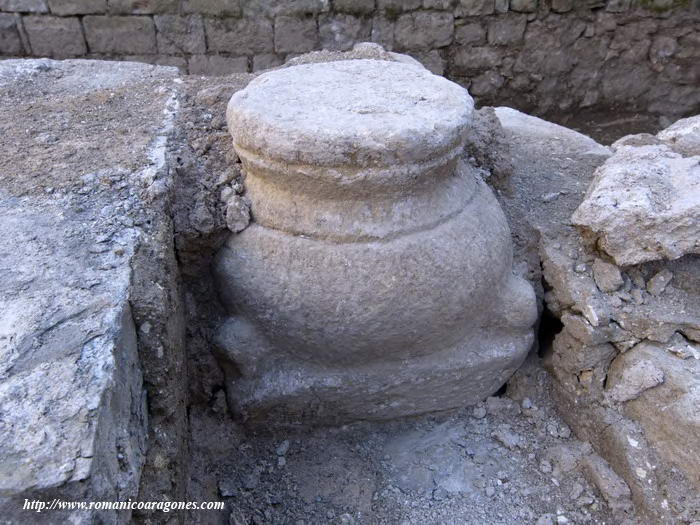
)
(357, 113)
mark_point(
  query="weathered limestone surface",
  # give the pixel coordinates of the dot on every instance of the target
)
(375, 280)
(624, 363)
(644, 203)
(78, 206)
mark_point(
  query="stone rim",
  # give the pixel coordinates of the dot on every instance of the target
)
(350, 113)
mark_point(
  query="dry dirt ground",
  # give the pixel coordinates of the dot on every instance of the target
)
(510, 460)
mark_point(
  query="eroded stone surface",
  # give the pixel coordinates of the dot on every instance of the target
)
(74, 421)
(386, 288)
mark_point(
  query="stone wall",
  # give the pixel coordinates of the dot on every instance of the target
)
(546, 56)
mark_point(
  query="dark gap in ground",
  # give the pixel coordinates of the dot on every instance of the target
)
(550, 326)
(501, 391)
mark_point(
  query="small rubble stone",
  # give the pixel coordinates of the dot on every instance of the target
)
(607, 276)
(282, 448)
(576, 491)
(658, 283)
(479, 412)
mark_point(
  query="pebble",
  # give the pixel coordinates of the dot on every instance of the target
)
(526, 403)
(564, 432)
(227, 488)
(545, 466)
(282, 448)
(576, 491)
(439, 494)
(479, 412)
(490, 491)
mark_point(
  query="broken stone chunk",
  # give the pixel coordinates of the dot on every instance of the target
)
(607, 276)
(644, 204)
(629, 383)
(237, 213)
(613, 488)
(683, 348)
(658, 283)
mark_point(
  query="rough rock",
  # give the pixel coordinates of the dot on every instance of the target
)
(683, 136)
(658, 283)
(607, 276)
(644, 203)
(332, 321)
(604, 333)
(612, 487)
(668, 412)
(74, 421)
(630, 382)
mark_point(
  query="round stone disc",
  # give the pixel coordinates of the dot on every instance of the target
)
(350, 113)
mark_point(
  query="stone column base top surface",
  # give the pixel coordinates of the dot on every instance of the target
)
(375, 280)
